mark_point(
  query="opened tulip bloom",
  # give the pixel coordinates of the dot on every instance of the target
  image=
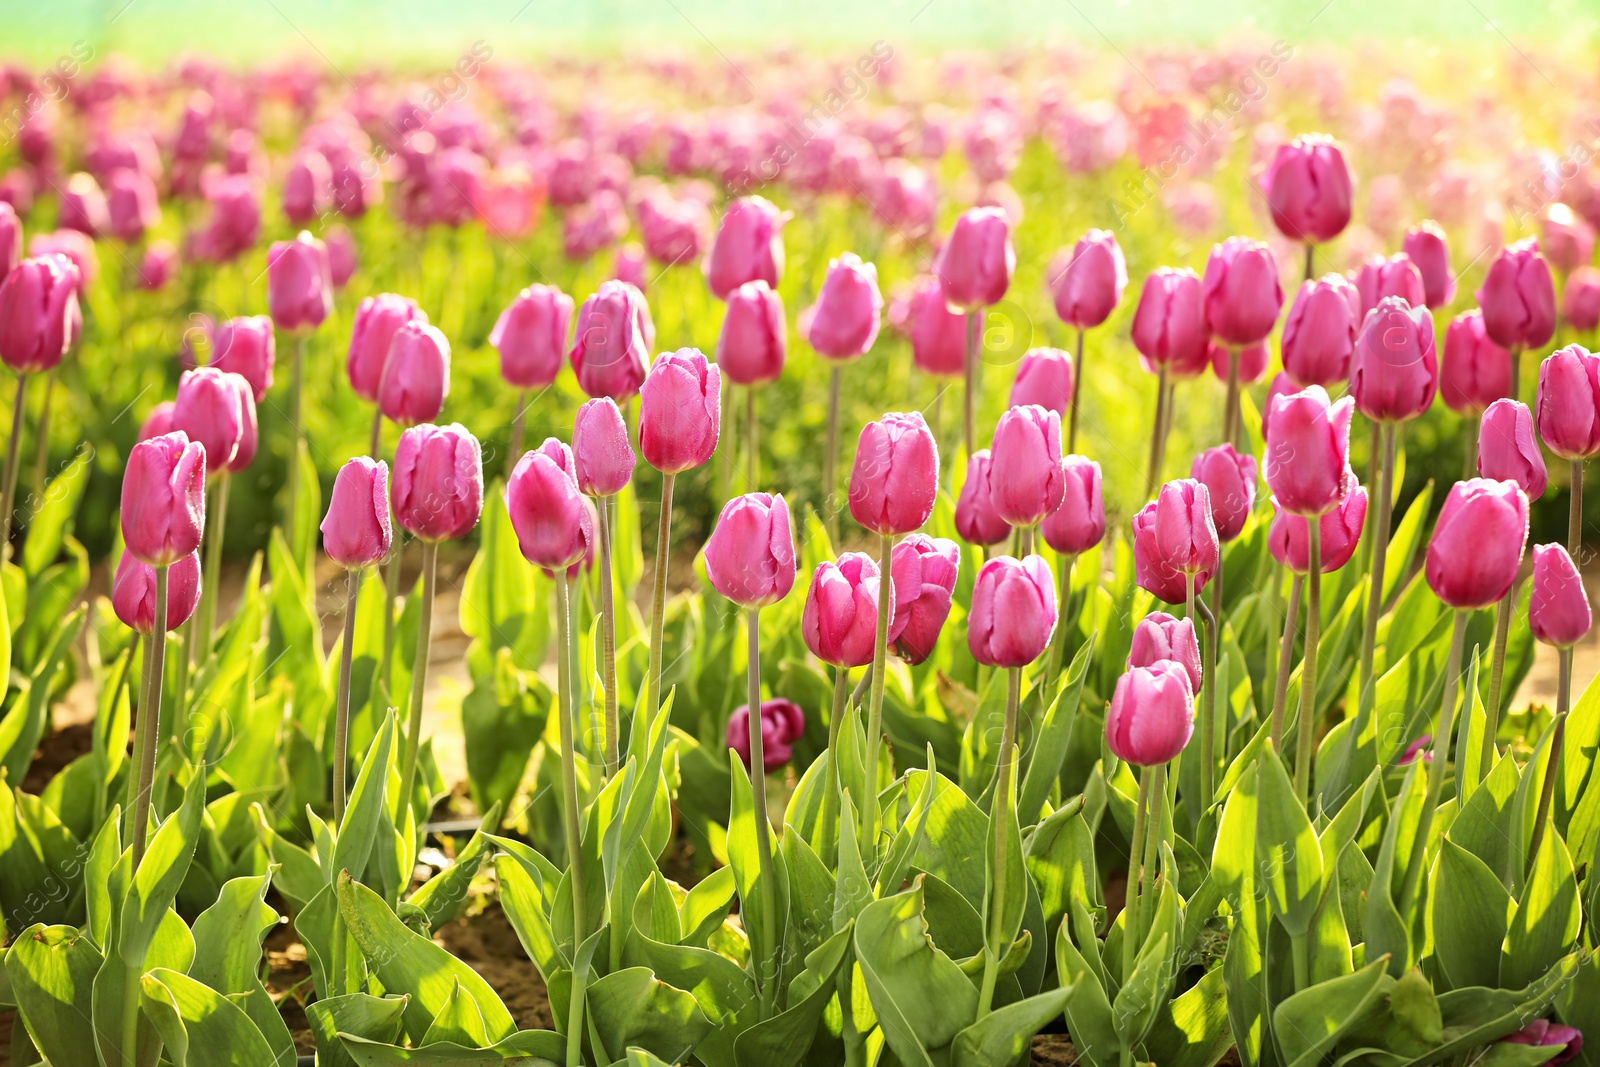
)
(1013, 611)
(1474, 372)
(133, 592)
(1543, 1033)
(1508, 450)
(977, 521)
(1026, 482)
(1428, 249)
(1319, 334)
(1160, 636)
(976, 261)
(782, 724)
(924, 570)
(246, 346)
(531, 336)
(895, 478)
(1477, 543)
(1079, 523)
(1044, 377)
(611, 349)
(1175, 547)
(841, 613)
(680, 411)
(416, 375)
(1151, 716)
(1308, 189)
(1308, 450)
(356, 531)
(748, 246)
(377, 320)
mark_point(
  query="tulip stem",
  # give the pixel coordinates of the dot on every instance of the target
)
(1058, 641)
(514, 449)
(1311, 251)
(391, 593)
(374, 450)
(1575, 512)
(1563, 679)
(1440, 750)
(999, 818)
(974, 376)
(1469, 466)
(149, 717)
(419, 676)
(880, 654)
(1516, 372)
(593, 745)
(1552, 767)
(1230, 413)
(8, 494)
(608, 637)
(658, 602)
(296, 391)
(1157, 443)
(341, 721)
(1280, 693)
(1307, 727)
(1130, 907)
(1504, 608)
(1378, 544)
(767, 975)
(830, 455)
(200, 642)
(41, 455)
(827, 830)
(569, 814)
(1072, 417)
(1208, 712)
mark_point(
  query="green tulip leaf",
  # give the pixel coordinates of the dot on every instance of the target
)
(379, 1019)
(51, 971)
(199, 1026)
(1546, 923)
(632, 1007)
(1192, 1029)
(1288, 855)
(528, 1048)
(1005, 1035)
(1309, 1023)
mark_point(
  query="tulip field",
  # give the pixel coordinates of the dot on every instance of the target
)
(897, 559)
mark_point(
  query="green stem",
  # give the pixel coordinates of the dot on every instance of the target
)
(753, 460)
(658, 603)
(570, 814)
(8, 489)
(1311, 250)
(767, 969)
(41, 454)
(131, 990)
(994, 950)
(150, 716)
(296, 400)
(202, 631)
(391, 593)
(375, 448)
(828, 829)
(830, 456)
(1130, 907)
(1374, 474)
(1157, 445)
(1230, 413)
(514, 449)
(1072, 417)
(1440, 750)
(341, 721)
(1575, 511)
(1208, 712)
(974, 377)
(880, 653)
(1367, 693)
(1280, 695)
(1058, 642)
(143, 736)
(1154, 834)
(1516, 373)
(1503, 610)
(1307, 726)
(608, 638)
(1553, 765)
(419, 676)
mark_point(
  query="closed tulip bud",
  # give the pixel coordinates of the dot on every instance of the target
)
(750, 556)
(1169, 324)
(1395, 371)
(38, 310)
(307, 188)
(748, 246)
(132, 205)
(1308, 449)
(1558, 609)
(1281, 385)
(938, 334)
(1151, 716)
(438, 481)
(1160, 636)
(976, 262)
(416, 375)
(1080, 522)
(356, 532)
(531, 336)
(83, 206)
(1379, 278)
(1475, 372)
(164, 498)
(1242, 295)
(1507, 449)
(1174, 538)
(843, 323)
(1308, 188)
(1518, 297)
(611, 350)
(158, 422)
(1565, 238)
(924, 571)
(1013, 611)
(1580, 298)
(1044, 377)
(1426, 245)
(133, 592)
(208, 409)
(603, 457)
(755, 335)
(555, 524)
(840, 623)
(895, 477)
(977, 521)
(377, 319)
(680, 411)
(1231, 477)
(10, 238)
(159, 263)
(1320, 333)
(1339, 528)
(1477, 543)
(249, 430)
(299, 284)
(1567, 409)
(1025, 478)
(245, 346)
(782, 724)
(1543, 1033)
(342, 256)
(1089, 286)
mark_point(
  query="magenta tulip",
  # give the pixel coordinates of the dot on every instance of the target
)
(1308, 450)
(1518, 297)
(555, 524)
(1339, 528)
(378, 318)
(895, 477)
(1566, 240)
(1308, 188)
(1567, 409)
(1477, 543)
(1169, 324)
(209, 409)
(1395, 371)
(1231, 478)
(133, 592)
(977, 260)
(1044, 377)
(164, 498)
(307, 187)
(416, 376)
(602, 454)
(356, 532)
(246, 346)
(1507, 449)
(1174, 539)
(83, 206)
(680, 411)
(782, 724)
(1543, 1032)
(748, 246)
(531, 336)
(1580, 298)
(840, 622)
(1241, 293)
(977, 521)
(843, 323)
(1013, 611)
(750, 555)
(1080, 522)
(938, 333)
(1160, 636)
(1380, 277)
(158, 422)
(1026, 482)
(611, 350)
(1558, 609)
(755, 335)
(1474, 371)
(299, 284)
(1151, 716)
(132, 205)
(1089, 286)
(1426, 245)
(10, 238)
(1320, 333)
(924, 570)
(38, 310)
(438, 481)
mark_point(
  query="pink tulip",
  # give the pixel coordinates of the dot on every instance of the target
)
(1080, 522)
(1241, 294)
(1026, 482)
(83, 206)
(416, 375)
(1281, 385)
(438, 481)
(782, 724)
(1425, 244)
(307, 188)
(1394, 372)
(132, 205)
(755, 335)
(1558, 609)
(1174, 538)
(603, 457)
(378, 318)
(843, 323)
(209, 410)
(1507, 449)
(1160, 636)
(1308, 450)
(1566, 240)
(1013, 611)
(1339, 528)
(1567, 409)
(555, 524)
(38, 310)
(356, 531)
(680, 411)
(531, 336)
(938, 334)
(1308, 189)
(1169, 325)
(1518, 297)
(748, 246)
(1044, 377)
(1231, 478)
(674, 231)
(1580, 299)
(840, 622)
(750, 556)
(342, 256)
(235, 223)
(1477, 543)
(977, 521)
(164, 498)
(1320, 333)
(924, 571)
(245, 346)
(976, 263)
(1088, 287)
(76, 248)
(895, 477)
(1151, 716)
(133, 592)
(156, 268)
(299, 284)
(10, 238)
(1543, 1032)
(611, 350)
(158, 422)
(1475, 372)
(1379, 278)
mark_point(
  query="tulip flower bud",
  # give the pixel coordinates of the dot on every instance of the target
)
(1241, 293)
(748, 246)
(1025, 478)
(1394, 372)
(1169, 324)
(208, 409)
(680, 411)
(1175, 537)
(377, 319)
(531, 336)
(416, 375)
(164, 498)
(840, 623)
(1543, 1032)
(1231, 478)
(38, 309)
(1151, 716)
(1320, 333)
(249, 430)
(1160, 636)
(1308, 450)
(10, 238)
(1013, 611)
(158, 422)
(1558, 609)
(977, 521)
(1518, 297)
(307, 188)
(1044, 377)
(156, 268)
(245, 346)
(782, 724)
(132, 205)
(1080, 522)
(976, 262)
(133, 592)
(1379, 278)
(1565, 238)
(1339, 528)
(1090, 284)
(1475, 372)
(555, 524)
(1507, 449)
(602, 454)
(1308, 188)
(1580, 298)
(1477, 543)
(299, 283)
(342, 256)
(438, 481)
(895, 477)
(356, 531)
(755, 335)
(1425, 244)
(1567, 409)
(611, 350)
(750, 556)
(938, 334)
(83, 206)
(1281, 385)
(843, 323)
(924, 571)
